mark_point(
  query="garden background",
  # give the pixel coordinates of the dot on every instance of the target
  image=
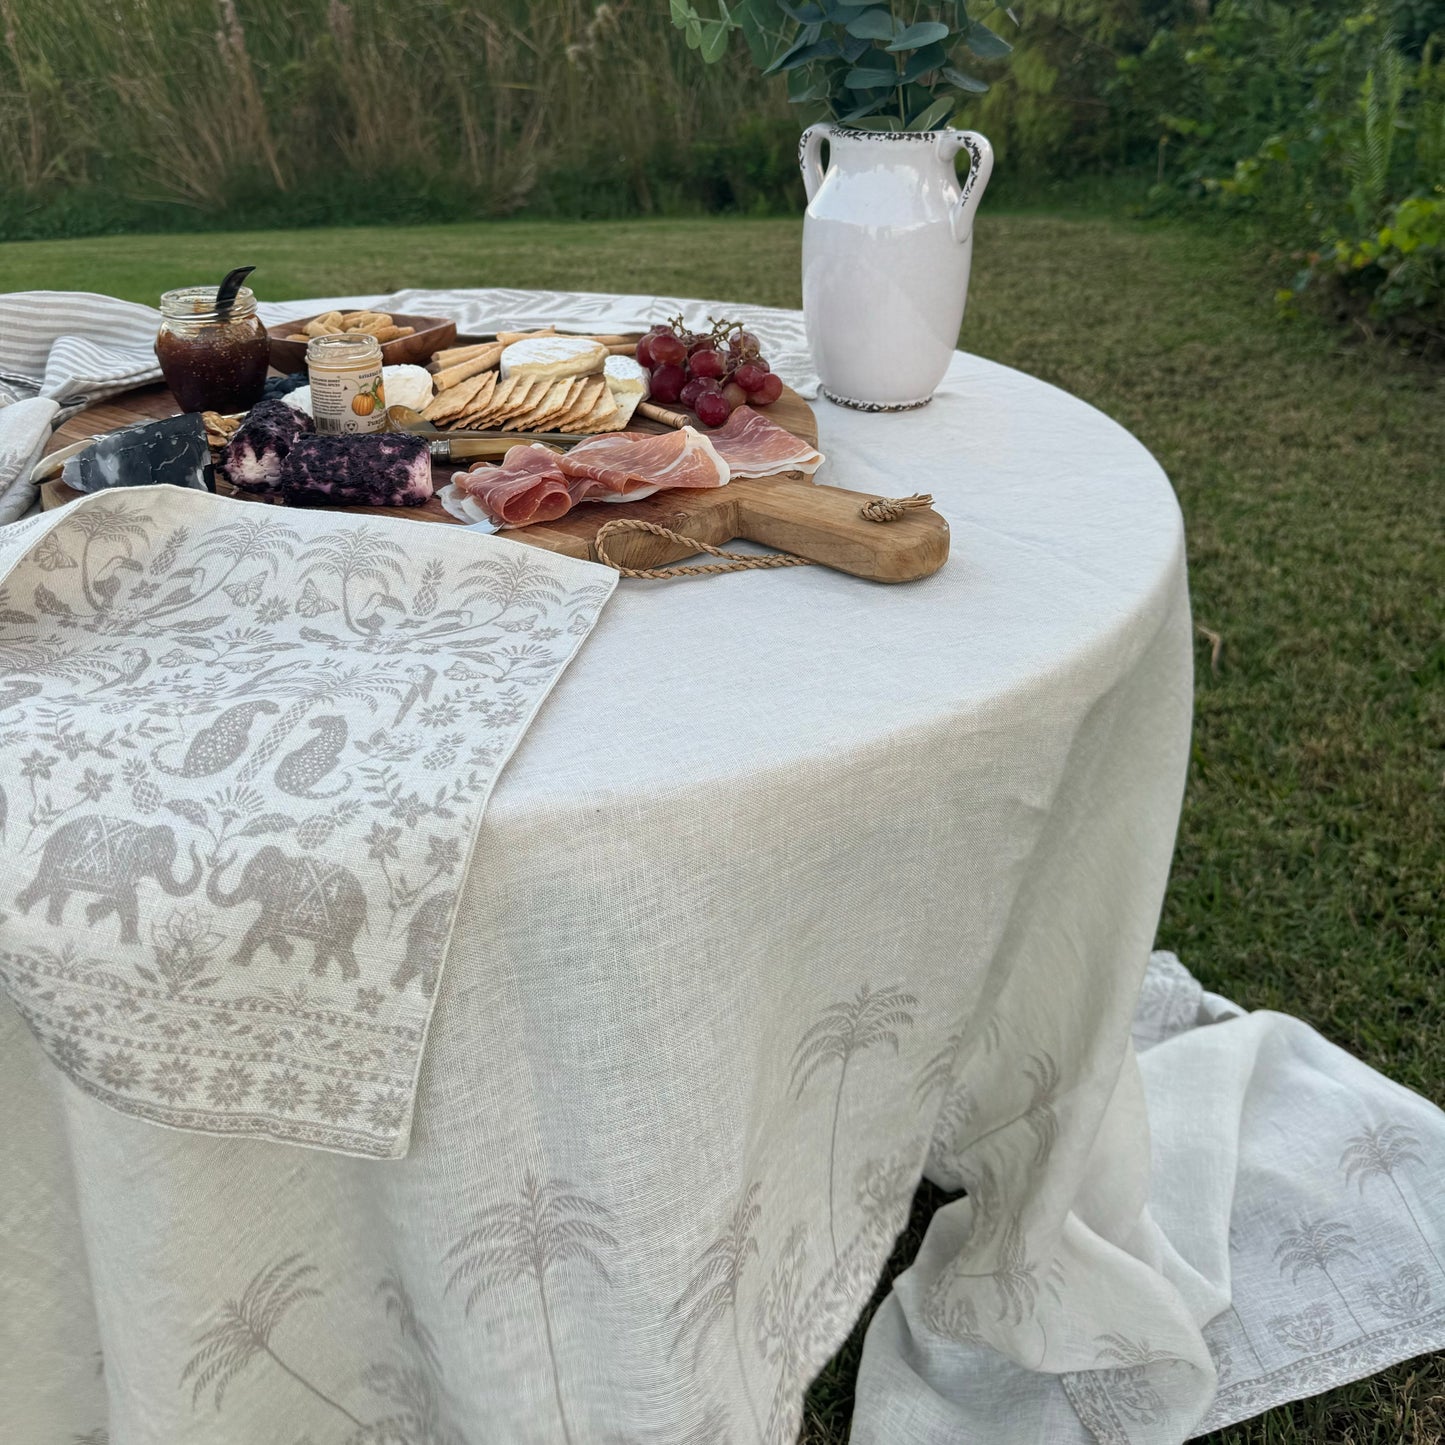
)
(1224, 224)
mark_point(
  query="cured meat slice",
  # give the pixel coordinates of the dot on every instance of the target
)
(753, 446)
(622, 462)
(527, 487)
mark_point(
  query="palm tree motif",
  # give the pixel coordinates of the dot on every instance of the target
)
(398, 1302)
(1405, 1296)
(508, 582)
(1316, 1244)
(548, 1224)
(1040, 1118)
(1377, 1154)
(846, 1029)
(779, 1321)
(243, 1330)
(356, 555)
(1132, 1354)
(712, 1293)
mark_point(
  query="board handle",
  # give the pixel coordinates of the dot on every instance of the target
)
(827, 525)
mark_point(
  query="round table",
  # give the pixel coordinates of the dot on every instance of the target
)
(796, 887)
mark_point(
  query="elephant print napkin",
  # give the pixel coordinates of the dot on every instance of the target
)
(244, 754)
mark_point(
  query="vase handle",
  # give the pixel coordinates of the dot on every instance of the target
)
(809, 157)
(980, 168)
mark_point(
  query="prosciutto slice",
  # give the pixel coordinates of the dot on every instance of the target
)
(620, 462)
(753, 446)
(528, 486)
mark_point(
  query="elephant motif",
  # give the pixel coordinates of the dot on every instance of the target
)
(216, 747)
(299, 771)
(300, 898)
(426, 941)
(109, 857)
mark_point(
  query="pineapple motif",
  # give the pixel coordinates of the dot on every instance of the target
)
(145, 796)
(316, 830)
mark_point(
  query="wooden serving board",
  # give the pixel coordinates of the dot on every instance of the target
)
(786, 512)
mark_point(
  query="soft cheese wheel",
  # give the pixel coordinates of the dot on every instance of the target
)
(625, 376)
(553, 358)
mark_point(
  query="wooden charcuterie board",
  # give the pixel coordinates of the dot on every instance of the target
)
(787, 512)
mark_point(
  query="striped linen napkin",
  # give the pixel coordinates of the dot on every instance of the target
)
(61, 351)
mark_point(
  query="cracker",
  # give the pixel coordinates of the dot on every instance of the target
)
(584, 404)
(556, 403)
(605, 416)
(446, 405)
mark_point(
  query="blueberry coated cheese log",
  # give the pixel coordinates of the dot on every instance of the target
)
(253, 458)
(383, 469)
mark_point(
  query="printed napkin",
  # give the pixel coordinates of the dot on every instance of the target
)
(244, 753)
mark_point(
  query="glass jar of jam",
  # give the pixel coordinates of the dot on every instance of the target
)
(212, 364)
(346, 387)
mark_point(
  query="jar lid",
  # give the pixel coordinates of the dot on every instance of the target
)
(198, 303)
(346, 350)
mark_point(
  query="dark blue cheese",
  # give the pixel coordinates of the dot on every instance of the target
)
(173, 451)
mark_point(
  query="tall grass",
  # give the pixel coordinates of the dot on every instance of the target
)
(315, 108)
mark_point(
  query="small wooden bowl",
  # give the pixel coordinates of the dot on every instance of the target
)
(431, 334)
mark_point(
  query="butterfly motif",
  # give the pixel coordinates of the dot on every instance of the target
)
(314, 602)
(246, 594)
(52, 556)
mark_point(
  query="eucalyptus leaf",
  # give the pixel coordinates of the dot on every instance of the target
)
(852, 47)
(803, 14)
(963, 81)
(931, 57)
(984, 43)
(692, 33)
(861, 78)
(934, 116)
(875, 24)
(805, 48)
(915, 37)
(868, 107)
(714, 40)
(681, 12)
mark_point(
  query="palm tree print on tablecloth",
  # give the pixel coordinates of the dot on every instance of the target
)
(1379, 1153)
(398, 1303)
(1317, 1244)
(244, 1330)
(712, 1293)
(547, 1225)
(846, 1029)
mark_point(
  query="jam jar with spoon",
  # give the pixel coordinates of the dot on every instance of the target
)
(212, 347)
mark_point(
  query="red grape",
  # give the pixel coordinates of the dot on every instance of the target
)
(707, 362)
(744, 343)
(667, 383)
(751, 374)
(712, 408)
(769, 390)
(734, 395)
(668, 350)
(696, 388)
(644, 352)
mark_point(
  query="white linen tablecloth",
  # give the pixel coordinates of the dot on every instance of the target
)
(785, 857)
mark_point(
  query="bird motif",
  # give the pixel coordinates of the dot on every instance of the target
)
(133, 662)
(421, 677)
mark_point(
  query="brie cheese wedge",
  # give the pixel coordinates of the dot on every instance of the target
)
(553, 358)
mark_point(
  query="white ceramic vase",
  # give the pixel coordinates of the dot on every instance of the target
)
(887, 244)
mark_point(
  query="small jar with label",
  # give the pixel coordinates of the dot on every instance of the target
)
(212, 362)
(346, 394)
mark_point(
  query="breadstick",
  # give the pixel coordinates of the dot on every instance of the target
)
(485, 361)
(622, 348)
(506, 338)
(453, 354)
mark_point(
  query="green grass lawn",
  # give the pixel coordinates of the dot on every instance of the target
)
(1311, 863)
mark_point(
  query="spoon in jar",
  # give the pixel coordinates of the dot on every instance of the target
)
(226, 291)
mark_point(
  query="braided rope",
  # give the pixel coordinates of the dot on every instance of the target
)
(879, 509)
(737, 561)
(890, 509)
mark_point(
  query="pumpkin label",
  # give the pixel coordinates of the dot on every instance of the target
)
(348, 401)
